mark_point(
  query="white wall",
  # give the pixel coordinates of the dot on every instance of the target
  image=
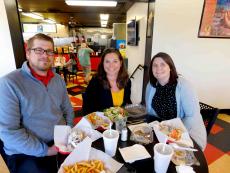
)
(204, 61)
(136, 54)
(7, 62)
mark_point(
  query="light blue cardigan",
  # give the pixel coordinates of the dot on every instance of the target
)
(29, 111)
(188, 110)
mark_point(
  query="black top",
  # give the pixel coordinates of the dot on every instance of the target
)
(164, 101)
(96, 98)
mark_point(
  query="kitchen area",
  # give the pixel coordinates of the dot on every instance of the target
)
(70, 26)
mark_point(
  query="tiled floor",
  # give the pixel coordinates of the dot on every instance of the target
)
(217, 151)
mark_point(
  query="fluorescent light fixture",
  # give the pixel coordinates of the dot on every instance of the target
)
(19, 9)
(91, 3)
(104, 16)
(33, 15)
(104, 22)
(49, 21)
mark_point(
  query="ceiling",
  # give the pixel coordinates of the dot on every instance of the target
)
(75, 16)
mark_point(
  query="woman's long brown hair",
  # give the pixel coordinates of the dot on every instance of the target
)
(122, 77)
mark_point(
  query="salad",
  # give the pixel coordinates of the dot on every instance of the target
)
(115, 113)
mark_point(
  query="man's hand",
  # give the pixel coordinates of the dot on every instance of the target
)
(52, 151)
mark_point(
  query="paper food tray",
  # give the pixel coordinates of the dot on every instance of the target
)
(84, 152)
(105, 119)
(62, 132)
(175, 123)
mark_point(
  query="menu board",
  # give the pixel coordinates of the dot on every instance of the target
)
(39, 28)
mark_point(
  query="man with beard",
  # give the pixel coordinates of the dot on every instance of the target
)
(33, 100)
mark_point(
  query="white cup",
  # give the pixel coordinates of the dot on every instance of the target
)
(110, 141)
(162, 156)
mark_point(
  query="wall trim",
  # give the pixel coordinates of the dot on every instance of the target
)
(15, 31)
(224, 111)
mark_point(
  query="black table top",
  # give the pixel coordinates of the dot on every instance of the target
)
(147, 165)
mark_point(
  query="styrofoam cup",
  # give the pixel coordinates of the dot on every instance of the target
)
(162, 157)
(110, 141)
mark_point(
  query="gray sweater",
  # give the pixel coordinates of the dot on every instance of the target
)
(188, 110)
(29, 111)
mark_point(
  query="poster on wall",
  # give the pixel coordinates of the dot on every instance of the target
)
(215, 20)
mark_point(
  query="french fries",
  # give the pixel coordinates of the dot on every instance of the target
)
(92, 166)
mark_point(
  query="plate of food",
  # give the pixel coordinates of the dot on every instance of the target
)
(98, 120)
(184, 157)
(173, 131)
(73, 139)
(142, 134)
(115, 113)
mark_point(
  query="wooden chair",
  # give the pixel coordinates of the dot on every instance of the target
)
(209, 115)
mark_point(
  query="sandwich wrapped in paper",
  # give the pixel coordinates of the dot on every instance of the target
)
(66, 139)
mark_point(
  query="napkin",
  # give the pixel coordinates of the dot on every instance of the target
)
(134, 153)
(184, 169)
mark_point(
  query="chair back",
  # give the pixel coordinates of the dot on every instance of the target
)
(84, 104)
(209, 115)
(2, 152)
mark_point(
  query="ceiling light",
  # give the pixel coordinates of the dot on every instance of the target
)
(91, 3)
(49, 21)
(32, 15)
(19, 9)
(104, 16)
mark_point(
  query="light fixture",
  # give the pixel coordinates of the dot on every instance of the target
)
(91, 3)
(33, 15)
(104, 16)
(19, 9)
(103, 25)
(49, 21)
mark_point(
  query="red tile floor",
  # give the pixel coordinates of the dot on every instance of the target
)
(217, 151)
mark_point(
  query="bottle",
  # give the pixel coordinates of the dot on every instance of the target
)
(124, 134)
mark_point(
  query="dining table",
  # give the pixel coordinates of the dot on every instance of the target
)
(147, 165)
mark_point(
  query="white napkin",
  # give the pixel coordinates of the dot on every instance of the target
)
(133, 153)
(184, 169)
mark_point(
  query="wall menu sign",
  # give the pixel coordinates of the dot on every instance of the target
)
(44, 28)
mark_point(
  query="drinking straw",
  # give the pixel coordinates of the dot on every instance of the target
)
(165, 141)
(110, 129)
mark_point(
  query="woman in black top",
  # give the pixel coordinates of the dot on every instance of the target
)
(111, 78)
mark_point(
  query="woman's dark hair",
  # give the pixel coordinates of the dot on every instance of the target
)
(173, 73)
(122, 77)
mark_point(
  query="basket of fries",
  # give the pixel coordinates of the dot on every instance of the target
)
(92, 166)
(84, 158)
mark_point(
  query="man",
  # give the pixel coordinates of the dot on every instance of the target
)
(84, 58)
(33, 100)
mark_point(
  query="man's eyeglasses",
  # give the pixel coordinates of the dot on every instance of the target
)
(41, 51)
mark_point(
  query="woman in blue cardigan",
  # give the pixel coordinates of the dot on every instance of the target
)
(110, 86)
(169, 96)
